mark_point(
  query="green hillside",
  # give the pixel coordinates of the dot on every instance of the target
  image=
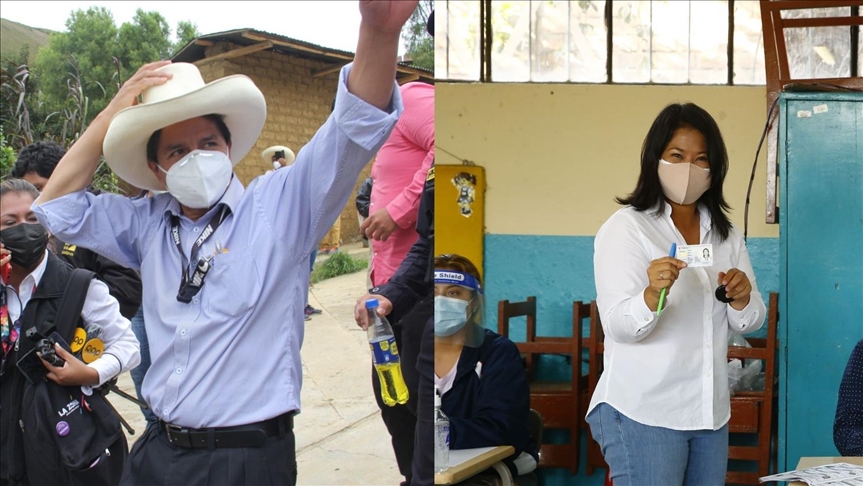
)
(13, 36)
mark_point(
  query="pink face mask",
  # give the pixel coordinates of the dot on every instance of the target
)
(683, 183)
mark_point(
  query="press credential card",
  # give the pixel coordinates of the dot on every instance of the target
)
(696, 255)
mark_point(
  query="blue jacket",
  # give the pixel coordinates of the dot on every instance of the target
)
(490, 408)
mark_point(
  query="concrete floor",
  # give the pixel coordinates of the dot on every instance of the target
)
(341, 439)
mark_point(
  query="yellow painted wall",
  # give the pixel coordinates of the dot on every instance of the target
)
(556, 155)
(459, 231)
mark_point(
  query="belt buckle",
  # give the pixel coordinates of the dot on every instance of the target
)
(175, 428)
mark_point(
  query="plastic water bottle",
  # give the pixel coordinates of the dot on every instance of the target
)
(441, 431)
(385, 355)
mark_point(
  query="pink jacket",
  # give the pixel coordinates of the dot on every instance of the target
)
(399, 173)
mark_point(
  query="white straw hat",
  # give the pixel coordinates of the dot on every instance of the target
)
(267, 154)
(182, 97)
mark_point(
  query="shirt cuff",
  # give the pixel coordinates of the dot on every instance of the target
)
(641, 314)
(364, 124)
(743, 318)
(402, 213)
(108, 366)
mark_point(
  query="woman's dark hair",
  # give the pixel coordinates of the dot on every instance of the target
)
(39, 157)
(648, 191)
(153, 143)
(18, 185)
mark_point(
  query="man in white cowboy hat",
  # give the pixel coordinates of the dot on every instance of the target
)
(214, 257)
(278, 155)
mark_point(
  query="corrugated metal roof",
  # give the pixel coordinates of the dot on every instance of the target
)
(195, 50)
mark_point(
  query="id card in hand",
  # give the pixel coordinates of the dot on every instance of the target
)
(696, 255)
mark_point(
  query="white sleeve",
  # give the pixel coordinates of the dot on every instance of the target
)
(122, 350)
(620, 263)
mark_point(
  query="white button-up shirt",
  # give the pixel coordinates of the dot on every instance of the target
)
(671, 370)
(122, 351)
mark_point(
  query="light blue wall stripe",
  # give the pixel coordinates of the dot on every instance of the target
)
(559, 270)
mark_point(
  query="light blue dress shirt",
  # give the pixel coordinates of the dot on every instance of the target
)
(232, 355)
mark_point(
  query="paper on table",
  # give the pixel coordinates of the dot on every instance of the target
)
(839, 474)
(459, 456)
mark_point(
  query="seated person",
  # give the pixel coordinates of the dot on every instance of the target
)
(479, 373)
(848, 427)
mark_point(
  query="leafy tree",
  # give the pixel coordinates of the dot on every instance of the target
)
(186, 32)
(420, 45)
(91, 39)
(146, 39)
(79, 72)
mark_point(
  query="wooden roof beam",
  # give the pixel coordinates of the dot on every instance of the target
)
(334, 68)
(233, 53)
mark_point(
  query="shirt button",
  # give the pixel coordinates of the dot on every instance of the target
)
(179, 370)
(195, 300)
(183, 332)
(196, 229)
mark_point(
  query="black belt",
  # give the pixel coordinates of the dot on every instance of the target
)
(251, 435)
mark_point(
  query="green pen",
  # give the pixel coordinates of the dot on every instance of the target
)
(662, 293)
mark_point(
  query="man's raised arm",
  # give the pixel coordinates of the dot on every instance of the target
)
(75, 170)
(374, 66)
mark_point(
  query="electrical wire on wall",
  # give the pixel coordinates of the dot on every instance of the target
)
(767, 124)
(770, 121)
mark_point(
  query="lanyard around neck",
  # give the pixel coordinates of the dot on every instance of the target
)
(208, 231)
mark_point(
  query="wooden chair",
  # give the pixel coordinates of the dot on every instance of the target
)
(557, 402)
(594, 345)
(752, 412)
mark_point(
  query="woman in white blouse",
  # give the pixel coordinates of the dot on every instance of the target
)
(661, 408)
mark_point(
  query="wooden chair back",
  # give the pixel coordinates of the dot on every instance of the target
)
(753, 412)
(556, 402)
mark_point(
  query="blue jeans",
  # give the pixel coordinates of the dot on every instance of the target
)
(639, 454)
(139, 371)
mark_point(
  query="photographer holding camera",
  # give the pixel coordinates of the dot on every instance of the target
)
(34, 286)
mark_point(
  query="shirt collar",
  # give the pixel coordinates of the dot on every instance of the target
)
(231, 198)
(705, 220)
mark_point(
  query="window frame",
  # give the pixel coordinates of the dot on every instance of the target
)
(486, 54)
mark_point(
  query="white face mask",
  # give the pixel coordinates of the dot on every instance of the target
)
(683, 182)
(200, 178)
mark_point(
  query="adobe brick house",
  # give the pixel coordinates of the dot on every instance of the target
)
(298, 80)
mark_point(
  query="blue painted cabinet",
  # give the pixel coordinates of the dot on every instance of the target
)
(821, 258)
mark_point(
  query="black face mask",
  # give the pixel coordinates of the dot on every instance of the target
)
(27, 242)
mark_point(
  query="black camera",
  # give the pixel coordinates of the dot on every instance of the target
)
(29, 364)
(278, 155)
(45, 347)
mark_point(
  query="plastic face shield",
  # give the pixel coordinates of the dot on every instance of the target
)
(458, 320)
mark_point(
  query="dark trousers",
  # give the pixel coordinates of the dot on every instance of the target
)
(401, 419)
(423, 464)
(154, 461)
